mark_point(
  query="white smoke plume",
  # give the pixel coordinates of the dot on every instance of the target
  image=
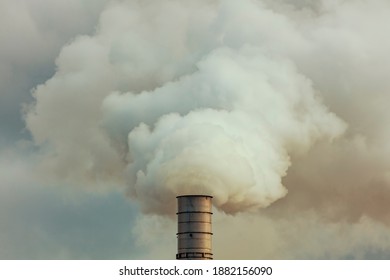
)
(209, 108)
(226, 130)
(242, 100)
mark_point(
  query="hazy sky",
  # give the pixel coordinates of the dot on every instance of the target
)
(279, 109)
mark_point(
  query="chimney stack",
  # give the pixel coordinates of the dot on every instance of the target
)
(194, 227)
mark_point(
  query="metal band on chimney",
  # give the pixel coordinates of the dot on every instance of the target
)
(194, 234)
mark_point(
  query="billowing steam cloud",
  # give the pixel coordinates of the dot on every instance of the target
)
(231, 98)
(225, 130)
(203, 108)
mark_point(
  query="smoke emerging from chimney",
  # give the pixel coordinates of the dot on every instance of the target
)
(225, 130)
(203, 97)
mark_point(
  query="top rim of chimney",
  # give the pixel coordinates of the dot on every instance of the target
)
(194, 195)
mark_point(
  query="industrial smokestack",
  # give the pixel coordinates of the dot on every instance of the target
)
(194, 234)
